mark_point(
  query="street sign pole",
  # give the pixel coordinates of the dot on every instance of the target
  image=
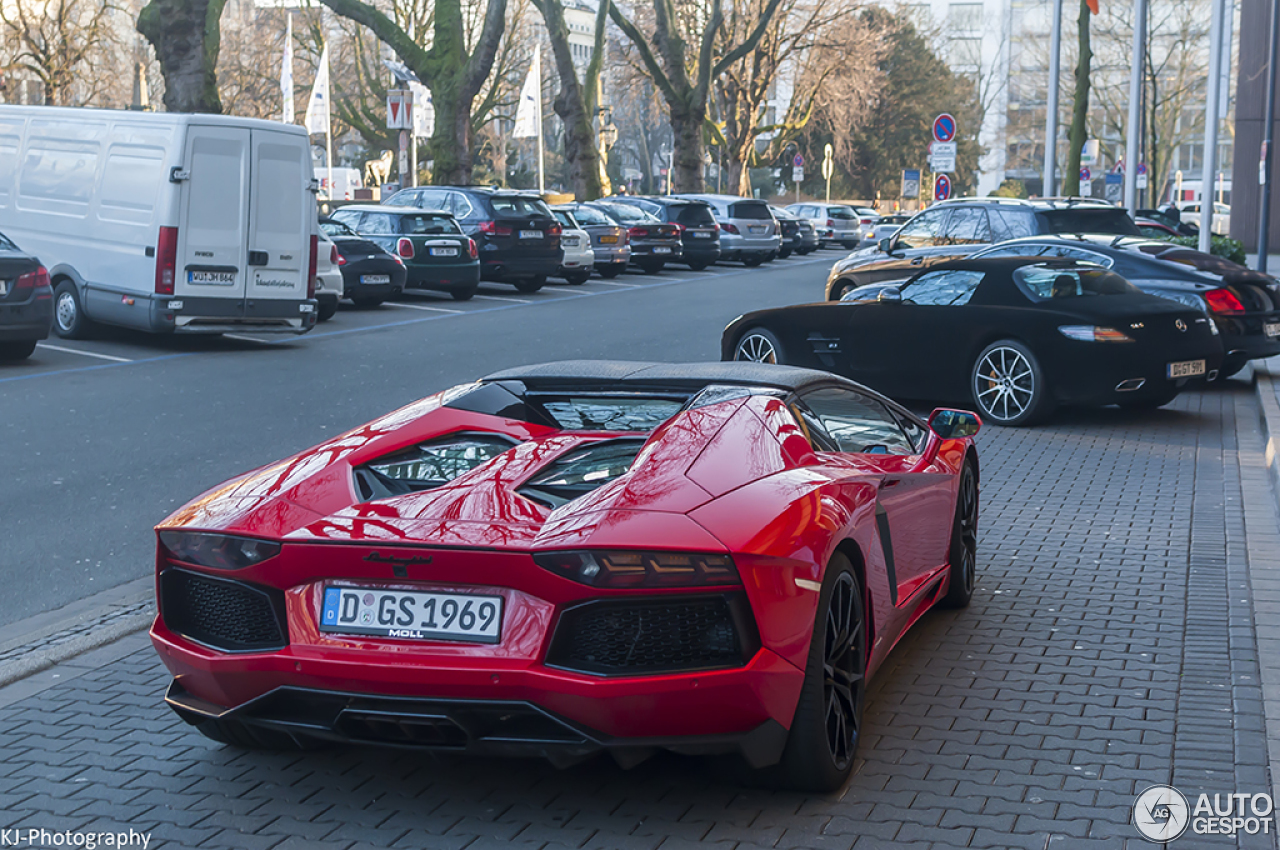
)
(1264, 216)
(1051, 110)
(827, 169)
(1131, 151)
(1210, 159)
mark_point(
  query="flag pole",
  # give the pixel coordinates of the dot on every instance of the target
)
(537, 63)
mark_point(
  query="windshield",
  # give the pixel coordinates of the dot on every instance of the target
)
(1045, 283)
(517, 205)
(1090, 220)
(425, 223)
(591, 215)
(623, 212)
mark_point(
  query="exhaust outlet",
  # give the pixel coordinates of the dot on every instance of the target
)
(1131, 385)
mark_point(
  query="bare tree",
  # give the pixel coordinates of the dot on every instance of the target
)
(58, 42)
(186, 35)
(684, 77)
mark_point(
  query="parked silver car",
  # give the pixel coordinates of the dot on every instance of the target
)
(837, 224)
(748, 230)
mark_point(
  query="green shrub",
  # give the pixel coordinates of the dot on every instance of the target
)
(1219, 246)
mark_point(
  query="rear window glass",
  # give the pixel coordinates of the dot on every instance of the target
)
(1089, 221)
(693, 215)
(622, 212)
(610, 414)
(565, 218)
(428, 465)
(330, 228)
(579, 472)
(516, 205)
(843, 213)
(751, 210)
(590, 215)
(1044, 283)
(428, 223)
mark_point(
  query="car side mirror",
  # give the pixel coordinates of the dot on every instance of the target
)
(886, 245)
(954, 424)
(890, 295)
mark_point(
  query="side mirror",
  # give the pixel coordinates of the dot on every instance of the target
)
(954, 424)
(889, 295)
(886, 245)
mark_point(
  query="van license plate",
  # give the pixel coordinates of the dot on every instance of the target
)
(1268, 328)
(212, 278)
(375, 278)
(1186, 369)
(444, 252)
(530, 234)
(413, 615)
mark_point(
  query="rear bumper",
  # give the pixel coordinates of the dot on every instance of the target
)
(673, 252)
(1245, 336)
(31, 320)
(609, 254)
(199, 315)
(1102, 379)
(512, 267)
(443, 277)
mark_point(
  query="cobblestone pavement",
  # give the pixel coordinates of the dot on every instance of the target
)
(1110, 647)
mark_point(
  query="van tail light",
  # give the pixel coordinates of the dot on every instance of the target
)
(37, 280)
(728, 227)
(1223, 301)
(166, 260)
(334, 256)
(492, 228)
(472, 251)
(312, 259)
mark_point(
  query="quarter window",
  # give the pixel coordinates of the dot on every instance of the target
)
(1011, 224)
(942, 288)
(968, 226)
(923, 231)
(857, 423)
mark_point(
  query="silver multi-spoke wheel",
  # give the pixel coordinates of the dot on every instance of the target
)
(757, 347)
(1005, 384)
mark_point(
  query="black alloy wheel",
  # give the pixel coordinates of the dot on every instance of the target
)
(963, 554)
(465, 294)
(759, 346)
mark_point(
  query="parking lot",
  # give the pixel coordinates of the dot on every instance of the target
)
(1111, 644)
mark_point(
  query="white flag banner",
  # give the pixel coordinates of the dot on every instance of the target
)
(529, 108)
(318, 105)
(424, 111)
(286, 72)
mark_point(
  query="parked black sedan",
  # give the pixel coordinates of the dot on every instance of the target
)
(1244, 304)
(654, 243)
(435, 251)
(1017, 336)
(26, 302)
(370, 275)
(695, 220)
(798, 234)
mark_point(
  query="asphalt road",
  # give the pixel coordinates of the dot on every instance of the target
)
(102, 438)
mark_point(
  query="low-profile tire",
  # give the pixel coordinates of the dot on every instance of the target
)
(651, 266)
(824, 734)
(530, 285)
(752, 261)
(577, 278)
(1152, 402)
(367, 303)
(237, 734)
(465, 294)
(69, 320)
(699, 265)
(17, 350)
(963, 553)
(759, 346)
(327, 309)
(611, 270)
(843, 288)
(1008, 385)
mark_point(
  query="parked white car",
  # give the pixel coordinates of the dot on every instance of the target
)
(328, 279)
(1221, 225)
(579, 258)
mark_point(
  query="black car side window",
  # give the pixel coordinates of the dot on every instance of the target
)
(967, 226)
(951, 288)
(858, 423)
(924, 230)
(1011, 224)
(431, 199)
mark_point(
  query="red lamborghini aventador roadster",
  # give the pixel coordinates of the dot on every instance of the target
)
(574, 557)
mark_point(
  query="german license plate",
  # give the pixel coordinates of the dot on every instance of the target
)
(754, 229)
(4, 288)
(530, 234)
(702, 236)
(411, 615)
(212, 278)
(608, 240)
(375, 278)
(661, 249)
(1186, 369)
(1268, 328)
(444, 252)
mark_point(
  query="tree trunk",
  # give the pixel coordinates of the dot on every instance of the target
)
(451, 141)
(580, 152)
(186, 35)
(1079, 109)
(686, 130)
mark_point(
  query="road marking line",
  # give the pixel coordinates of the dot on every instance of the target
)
(501, 298)
(85, 353)
(611, 283)
(422, 307)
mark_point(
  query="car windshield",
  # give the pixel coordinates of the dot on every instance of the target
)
(519, 205)
(604, 413)
(1090, 220)
(428, 223)
(1045, 283)
(624, 212)
(591, 215)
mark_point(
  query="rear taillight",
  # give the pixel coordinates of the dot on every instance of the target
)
(312, 259)
(555, 230)
(680, 228)
(405, 248)
(1223, 301)
(471, 249)
(334, 256)
(637, 231)
(625, 237)
(492, 228)
(342, 261)
(729, 228)
(866, 221)
(166, 260)
(831, 222)
(37, 280)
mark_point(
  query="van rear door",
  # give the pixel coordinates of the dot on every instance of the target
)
(280, 223)
(214, 218)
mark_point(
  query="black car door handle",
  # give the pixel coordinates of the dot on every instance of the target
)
(917, 261)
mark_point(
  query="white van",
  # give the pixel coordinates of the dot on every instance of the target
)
(163, 222)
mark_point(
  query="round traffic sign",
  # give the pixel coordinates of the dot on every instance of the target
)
(1085, 173)
(944, 128)
(798, 161)
(941, 187)
(1142, 168)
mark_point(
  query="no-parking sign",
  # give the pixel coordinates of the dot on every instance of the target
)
(944, 128)
(941, 187)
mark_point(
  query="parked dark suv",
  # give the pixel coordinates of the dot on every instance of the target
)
(696, 221)
(517, 236)
(953, 229)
